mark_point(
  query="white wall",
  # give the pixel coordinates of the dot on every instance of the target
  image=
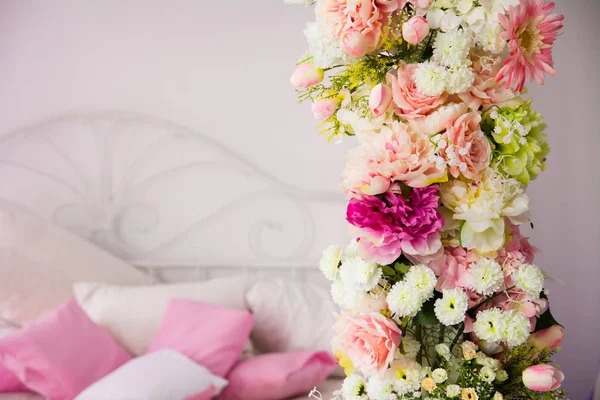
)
(222, 68)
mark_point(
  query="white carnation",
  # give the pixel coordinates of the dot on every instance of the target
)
(431, 78)
(490, 325)
(343, 296)
(451, 49)
(360, 274)
(324, 49)
(330, 262)
(461, 78)
(410, 348)
(487, 374)
(530, 279)
(352, 386)
(403, 300)
(422, 279)
(351, 250)
(517, 328)
(407, 376)
(439, 375)
(451, 308)
(486, 276)
(378, 388)
(453, 391)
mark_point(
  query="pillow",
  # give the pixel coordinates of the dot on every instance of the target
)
(62, 354)
(278, 376)
(33, 251)
(9, 381)
(165, 374)
(133, 315)
(210, 335)
(291, 316)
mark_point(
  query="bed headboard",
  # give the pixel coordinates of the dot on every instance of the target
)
(166, 198)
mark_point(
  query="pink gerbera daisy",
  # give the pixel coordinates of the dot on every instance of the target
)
(530, 30)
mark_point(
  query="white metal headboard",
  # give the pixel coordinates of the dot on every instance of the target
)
(162, 196)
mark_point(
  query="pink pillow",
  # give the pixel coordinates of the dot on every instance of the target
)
(62, 354)
(9, 382)
(277, 376)
(208, 334)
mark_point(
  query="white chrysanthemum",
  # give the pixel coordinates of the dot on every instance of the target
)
(443, 350)
(343, 296)
(431, 78)
(487, 276)
(460, 79)
(409, 348)
(403, 300)
(330, 262)
(451, 308)
(489, 38)
(378, 388)
(484, 360)
(501, 375)
(487, 374)
(353, 386)
(324, 49)
(351, 250)
(453, 391)
(406, 376)
(517, 328)
(530, 279)
(490, 325)
(422, 279)
(359, 274)
(451, 49)
(439, 375)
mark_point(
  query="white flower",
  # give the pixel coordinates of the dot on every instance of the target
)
(530, 279)
(410, 348)
(431, 78)
(501, 375)
(490, 325)
(461, 78)
(330, 262)
(353, 386)
(451, 308)
(360, 274)
(378, 388)
(498, 6)
(343, 296)
(498, 396)
(483, 359)
(403, 300)
(443, 350)
(453, 391)
(351, 250)
(451, 49)
(486, 276)
(517, 328)
(439, 375)
(421, 278)
(324, 49)
(406, 376)
(487, 374)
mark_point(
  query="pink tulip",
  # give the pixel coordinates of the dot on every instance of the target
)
(306, 75)
(542, 378)
(325, 108)
(415, 29)
(380, 99)
(548, 338)
(354, 44)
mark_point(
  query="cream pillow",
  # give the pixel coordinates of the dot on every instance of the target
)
(133, 314)
(40, 262)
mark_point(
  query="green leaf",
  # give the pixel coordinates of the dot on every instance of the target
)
(427, 316)
(402, 268)
(388, 270)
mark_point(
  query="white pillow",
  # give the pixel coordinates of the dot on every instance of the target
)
(163, 375)
(291, 316)
(133, 314)
(39, 263)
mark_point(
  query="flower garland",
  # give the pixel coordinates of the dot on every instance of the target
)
(439, 294)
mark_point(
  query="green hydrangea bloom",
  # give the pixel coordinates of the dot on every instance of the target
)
(520, 143)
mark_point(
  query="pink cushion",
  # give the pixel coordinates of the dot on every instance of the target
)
(62, 354)
(9, 382)
(278, 376)
(210, 335)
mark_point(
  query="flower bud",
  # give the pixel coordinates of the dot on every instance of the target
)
(306, 75)
(542, 378)
(548, 338)
(323, 109)
(415, 30)
(354, 44)
(380, 99)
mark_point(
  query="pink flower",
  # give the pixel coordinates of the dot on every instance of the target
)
(415, 30)
(358, 24)
(548, 338)
(530, 31)
(391, 225)
(467, 149)
(542, 378)
(410, 101)
(451, 269)
(395, 154)
(306, 75)
(323, 109)
(380, 99)
(370, 341)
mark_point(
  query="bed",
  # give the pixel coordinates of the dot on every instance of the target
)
(164, 199)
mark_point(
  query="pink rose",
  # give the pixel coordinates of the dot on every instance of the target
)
(542, 378)
(415, 30)
(306, 75)
(370, 341)
(467, 150)
(358, 24)
(380, 99)
(323, 109)
(549, 338)
(410, 102)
